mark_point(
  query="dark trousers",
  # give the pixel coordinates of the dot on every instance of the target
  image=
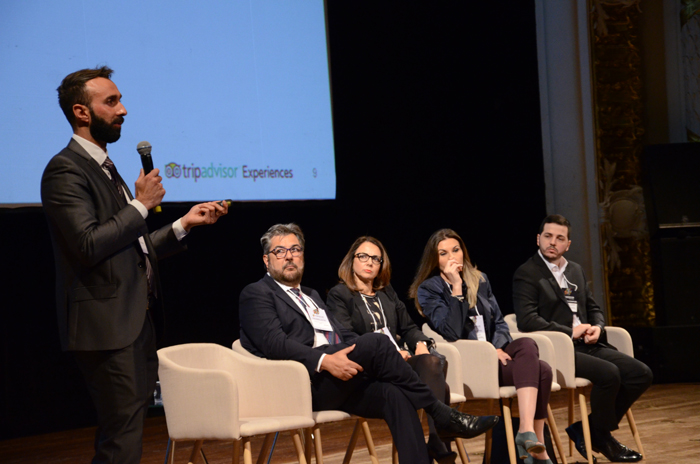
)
(618, 380)
(388, 389)
(121, 383)
(430, 370)
(526, 370)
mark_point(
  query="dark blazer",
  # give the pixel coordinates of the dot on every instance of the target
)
(448, 316)
(274, 327)
(101, 283)
(540, 304)
(350, 310)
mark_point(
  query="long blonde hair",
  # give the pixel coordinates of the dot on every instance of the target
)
(429, 266)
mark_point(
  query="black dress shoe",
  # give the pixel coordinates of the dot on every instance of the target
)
(575, 433)
(465, 425)
(615, 451)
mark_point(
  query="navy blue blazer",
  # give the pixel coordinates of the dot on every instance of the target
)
(274, 327)
(449, 317)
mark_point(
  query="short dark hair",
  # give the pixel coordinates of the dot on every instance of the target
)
(280, 230)
(72, 89)
(345, 270)
(557, 219)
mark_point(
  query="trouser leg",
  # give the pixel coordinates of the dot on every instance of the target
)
(388, 402)
(526, 370)
(632, 376)
(121, 383)
(430, 370)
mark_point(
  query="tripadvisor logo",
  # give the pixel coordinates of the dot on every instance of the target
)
(174, 170)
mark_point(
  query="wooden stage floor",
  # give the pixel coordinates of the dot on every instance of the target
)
(668, 418)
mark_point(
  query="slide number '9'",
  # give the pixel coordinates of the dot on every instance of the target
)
(315, 172)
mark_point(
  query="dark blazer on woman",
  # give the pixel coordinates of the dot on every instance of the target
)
(350, 310)
(449, 317)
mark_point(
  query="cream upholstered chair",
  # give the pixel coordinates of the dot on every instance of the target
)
(212, 393)
(566, 376)
(313, 435)
(480, 381)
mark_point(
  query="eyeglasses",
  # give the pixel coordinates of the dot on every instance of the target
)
(363, 257)
(281, 252)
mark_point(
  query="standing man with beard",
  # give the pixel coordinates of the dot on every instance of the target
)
(108, 294)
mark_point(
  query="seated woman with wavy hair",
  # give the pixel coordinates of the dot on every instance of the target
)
(457, 300)
(365, 302)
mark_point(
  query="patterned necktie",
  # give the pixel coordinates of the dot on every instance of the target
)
(109, 165)
(332, 337)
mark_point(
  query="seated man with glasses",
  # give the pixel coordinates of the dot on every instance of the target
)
(363, 375)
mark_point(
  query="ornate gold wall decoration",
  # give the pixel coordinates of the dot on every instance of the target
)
(617, 84)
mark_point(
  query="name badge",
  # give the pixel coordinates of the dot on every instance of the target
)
(479, 327)
(573, 305)
(320, 321)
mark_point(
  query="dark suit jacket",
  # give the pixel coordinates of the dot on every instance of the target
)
(350, 310)
(101, 283)
(540, 304)
(449, 317)
(273, 326)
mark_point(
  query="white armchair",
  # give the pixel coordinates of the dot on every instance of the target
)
(212, 393)
(325, 417)
(480, 381)
(566, 375)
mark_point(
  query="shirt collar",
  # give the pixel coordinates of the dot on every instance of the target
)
(97, 153)
(286, 288)
(553, 267)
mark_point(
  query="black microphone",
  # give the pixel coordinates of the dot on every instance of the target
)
(144, 149)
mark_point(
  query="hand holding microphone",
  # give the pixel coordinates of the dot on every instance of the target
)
(149, 189)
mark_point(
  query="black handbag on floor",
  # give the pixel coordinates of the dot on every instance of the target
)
(499, 444)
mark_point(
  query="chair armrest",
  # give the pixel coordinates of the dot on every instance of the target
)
(479, 368)
(272, 388)
(620, 339)
(432, 334)
(199, 403)
(454, 367)
(564, 355)
(512, 323)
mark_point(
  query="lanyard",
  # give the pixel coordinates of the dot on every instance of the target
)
(371, 314)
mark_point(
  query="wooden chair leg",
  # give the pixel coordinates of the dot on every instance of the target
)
(236, 452)
(463, 456)
(353, 441)
(296, 438)
(195, 452)
(394, 453)
(555, 434)
(586, 426)
(635, 432)
(265, 449)
(309, 443)
(368, 439)
(170, 452)
(247, 451)
(488, 437)
(318, 445)
(572, 396)
(510, 439)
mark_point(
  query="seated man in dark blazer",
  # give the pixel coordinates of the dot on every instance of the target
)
(550, 293)
(363, 375)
